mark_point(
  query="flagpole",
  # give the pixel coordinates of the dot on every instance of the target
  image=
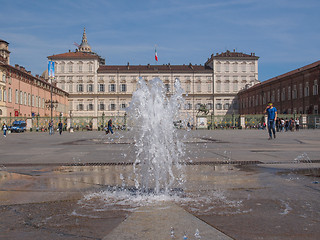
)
(156, 56)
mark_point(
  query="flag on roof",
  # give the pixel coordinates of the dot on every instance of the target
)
(156, 55)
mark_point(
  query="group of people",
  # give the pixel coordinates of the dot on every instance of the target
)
(51, 128)
(287, 124)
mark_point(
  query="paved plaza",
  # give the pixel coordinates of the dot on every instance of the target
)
(239, 185)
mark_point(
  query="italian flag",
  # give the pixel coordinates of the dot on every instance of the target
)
(155, 54)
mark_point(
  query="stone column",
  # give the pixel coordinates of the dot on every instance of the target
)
(29, 124)
(242, 121)
(95, 123)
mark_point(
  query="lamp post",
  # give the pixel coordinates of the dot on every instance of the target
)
(102, 121)
(38, 122)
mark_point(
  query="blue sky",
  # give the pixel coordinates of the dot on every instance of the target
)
(285, 34)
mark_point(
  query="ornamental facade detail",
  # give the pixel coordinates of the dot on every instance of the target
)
(96, 88)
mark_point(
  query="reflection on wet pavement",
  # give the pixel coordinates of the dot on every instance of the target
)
(244, 201)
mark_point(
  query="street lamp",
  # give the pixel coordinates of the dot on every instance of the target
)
(103, 115)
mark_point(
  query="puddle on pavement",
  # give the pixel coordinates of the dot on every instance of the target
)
(225, 196)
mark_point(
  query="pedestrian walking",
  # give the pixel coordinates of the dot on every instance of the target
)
(50, 128)
(297, 122)
(109, 129)
(272, 116)
(60, 127)
(282, 124)
(4, 128)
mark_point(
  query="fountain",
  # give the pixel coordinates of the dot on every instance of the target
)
(158, 148)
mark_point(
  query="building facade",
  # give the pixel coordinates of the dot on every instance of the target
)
(232, 72)
(295, 92)
(4, 58)
(23, 95)
(96, 88)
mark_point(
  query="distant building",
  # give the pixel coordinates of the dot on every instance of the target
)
(23, 95)
(95, 88)
(295, 92)
(232, 72)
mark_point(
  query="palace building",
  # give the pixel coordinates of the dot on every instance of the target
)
(295, 92)
(23, 95)
(96, 88)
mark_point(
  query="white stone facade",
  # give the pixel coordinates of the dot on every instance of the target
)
(96, 88)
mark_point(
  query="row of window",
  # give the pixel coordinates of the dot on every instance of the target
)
(70, 67)
(90, 87)
(124, 78)
(285, 94)
(123, 87)
(122, 106)
(101, 107)
(227, 67)
(235, 86)
(22, 98)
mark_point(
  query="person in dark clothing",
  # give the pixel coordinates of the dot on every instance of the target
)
(109, 129)
(60, 126)
(272, 116)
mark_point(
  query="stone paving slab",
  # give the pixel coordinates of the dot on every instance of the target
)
(154, 223)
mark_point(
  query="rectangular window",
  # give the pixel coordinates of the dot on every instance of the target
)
(90, 107)
(21, 97)
(294, 92)
(306, 90)
(300, 91)
(123, 106)
(90, 88)
(252, 68)
(198, 87)
(188, 106)
(235, 67)
(112, 88)
(227, 86)
(218, 67)
(315, 87)
(17, 96)
(283, 94)
(167, 86)
(219, 86)
(80, 87)
(10, 95)
(123, 87)
(188, 86)
(80, 107)
(101, 87)
(218, 106)
(101, 106)
(112, 107)
(235, 86)
(209, 87)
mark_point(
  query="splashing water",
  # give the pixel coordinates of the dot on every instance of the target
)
(158, 148)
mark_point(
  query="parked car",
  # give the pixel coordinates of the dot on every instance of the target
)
(19, 126)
